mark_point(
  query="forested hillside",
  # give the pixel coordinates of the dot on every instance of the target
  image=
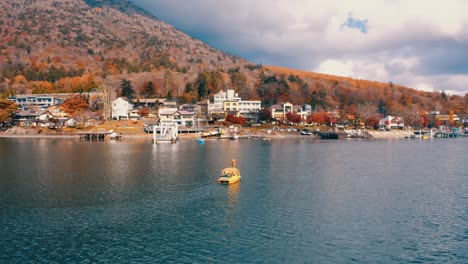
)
(49, 46)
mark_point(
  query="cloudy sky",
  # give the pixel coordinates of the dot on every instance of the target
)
(420, 44)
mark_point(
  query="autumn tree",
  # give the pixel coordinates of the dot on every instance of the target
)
(74, 104)
(7, 109)
(293, 118)
(240, 120)
(238, 80)
(318, 118)
(143, 112)
(372, 121)
(365, 111)
(41, 87)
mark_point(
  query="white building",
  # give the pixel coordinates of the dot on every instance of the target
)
(230, 101)
(279, 111)
(392, 122)
(43, 101)
(180, 117)
(120, 108)
(221, 97)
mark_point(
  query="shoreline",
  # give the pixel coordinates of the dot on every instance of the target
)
(374, 135)
(394, 134)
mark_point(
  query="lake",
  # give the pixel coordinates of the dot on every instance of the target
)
(300, 201)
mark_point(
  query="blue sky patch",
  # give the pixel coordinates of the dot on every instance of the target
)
(351, 22)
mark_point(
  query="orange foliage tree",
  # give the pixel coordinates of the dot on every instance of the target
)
(7, 108)
(236, 119)
(318, 118)
(74, 104)
(293, 118)
(143, 112)
(42, 87)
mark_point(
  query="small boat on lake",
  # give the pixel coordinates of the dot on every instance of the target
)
(306, 132)
(201, 141)
(230, 174)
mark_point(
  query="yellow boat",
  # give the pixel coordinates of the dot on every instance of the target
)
(230, 175)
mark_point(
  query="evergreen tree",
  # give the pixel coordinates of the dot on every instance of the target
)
(169, 95)
(201, 84)
(126, 89)
(149, 89)
(188, 87)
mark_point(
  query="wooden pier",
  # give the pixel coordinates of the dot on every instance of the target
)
(100, 135)
(243, 137)
(447, 135)
(93, 135)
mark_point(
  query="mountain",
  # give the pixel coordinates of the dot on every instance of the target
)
(77, 45)
(45, 40)
(94, 34)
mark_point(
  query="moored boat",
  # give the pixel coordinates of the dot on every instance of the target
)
(306, 132)
(230, 174)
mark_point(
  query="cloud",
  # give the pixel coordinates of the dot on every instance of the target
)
(336, 67)
(399, 41)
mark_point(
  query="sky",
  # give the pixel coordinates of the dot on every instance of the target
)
(419, 44)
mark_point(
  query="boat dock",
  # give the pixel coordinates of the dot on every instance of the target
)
(165, 133)
(447, 135)
(243, 137)
(90, 135)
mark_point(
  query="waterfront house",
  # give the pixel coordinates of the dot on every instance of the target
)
(133, 114)
(446, 117)
(58, 116)
(32, 118)
(182, 118)
(168, 105)
(392, 122)
(191, 108)
(120, 108)
(279, 111)
(58, 112)
(71, 123)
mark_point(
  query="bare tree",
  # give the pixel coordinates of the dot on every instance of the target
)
(366, 110)
(106, 91)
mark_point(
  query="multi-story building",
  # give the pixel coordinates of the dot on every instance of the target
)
(31, 100)
(279, 111)
(230, 101)
(221, 97)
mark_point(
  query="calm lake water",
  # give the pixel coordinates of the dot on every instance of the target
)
(299, 201)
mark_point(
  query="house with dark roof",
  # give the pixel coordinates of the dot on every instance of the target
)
(32, 118)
